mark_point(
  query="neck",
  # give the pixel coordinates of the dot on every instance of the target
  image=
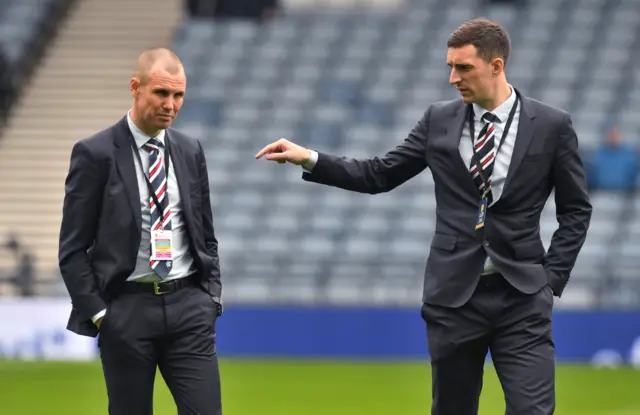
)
(502, 93)
(137, 120)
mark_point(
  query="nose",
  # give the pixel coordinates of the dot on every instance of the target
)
(168, 104)
(454, 78)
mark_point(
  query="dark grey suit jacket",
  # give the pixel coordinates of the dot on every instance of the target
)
(102, 220)
(545, 157)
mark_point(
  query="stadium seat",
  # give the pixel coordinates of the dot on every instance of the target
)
(355, 83)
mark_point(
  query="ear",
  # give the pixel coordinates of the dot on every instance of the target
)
(134, 86)
(497, 66)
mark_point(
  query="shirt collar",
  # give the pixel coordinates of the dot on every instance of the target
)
(502, 112)
(139, 136)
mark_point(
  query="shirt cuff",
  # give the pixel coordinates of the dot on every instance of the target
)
(99, 315)
(311, 163)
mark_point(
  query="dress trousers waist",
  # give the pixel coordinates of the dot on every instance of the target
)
(159, 287)
(492, 281)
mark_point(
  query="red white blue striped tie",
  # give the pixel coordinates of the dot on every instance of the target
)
(160, 215)
(484, 147)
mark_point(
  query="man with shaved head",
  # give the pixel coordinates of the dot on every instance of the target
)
(138, 252)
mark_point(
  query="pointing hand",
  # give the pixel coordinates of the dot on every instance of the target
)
(284, 150)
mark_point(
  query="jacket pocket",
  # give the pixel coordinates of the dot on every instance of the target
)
(445, 242)
(529, 250)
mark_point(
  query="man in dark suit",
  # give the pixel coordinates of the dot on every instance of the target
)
(495, 156)
(138, 252)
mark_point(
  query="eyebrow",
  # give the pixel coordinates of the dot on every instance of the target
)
(167, 91)
(460, 65)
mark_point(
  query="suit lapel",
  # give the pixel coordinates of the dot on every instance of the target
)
(179, 161)
(454, 135)
(526, 128)
(127, 169)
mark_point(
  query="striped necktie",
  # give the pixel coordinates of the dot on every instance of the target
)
(484, 147)
(160, 215)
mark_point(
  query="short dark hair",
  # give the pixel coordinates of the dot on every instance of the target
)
(489, 38)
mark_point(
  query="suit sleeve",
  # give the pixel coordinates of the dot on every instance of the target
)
(378, 174)
(81, 207)
(211, 243)
(573, 209)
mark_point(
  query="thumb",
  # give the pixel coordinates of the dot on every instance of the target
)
(279, 157)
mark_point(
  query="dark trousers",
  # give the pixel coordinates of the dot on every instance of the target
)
(174, 332)
(515, 328)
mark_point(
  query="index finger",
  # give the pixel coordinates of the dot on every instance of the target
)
(267, 149)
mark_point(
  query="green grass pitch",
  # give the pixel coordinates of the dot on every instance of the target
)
(308, 387)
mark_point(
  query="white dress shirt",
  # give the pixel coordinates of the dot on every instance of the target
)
(182, 265)
(503, 158)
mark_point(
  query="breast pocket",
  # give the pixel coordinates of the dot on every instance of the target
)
(537, 157)
(535, 168)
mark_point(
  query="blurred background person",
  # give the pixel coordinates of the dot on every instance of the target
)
(614, 164)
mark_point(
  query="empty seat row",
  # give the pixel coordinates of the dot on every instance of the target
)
(355, 82)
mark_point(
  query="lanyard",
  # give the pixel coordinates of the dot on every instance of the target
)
(152, 192)
(474, 158)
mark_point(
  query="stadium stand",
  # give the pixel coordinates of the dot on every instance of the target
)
(26, 27)
(80, 86)
(354, 82)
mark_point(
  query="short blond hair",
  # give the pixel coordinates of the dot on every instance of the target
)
(157, 57)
